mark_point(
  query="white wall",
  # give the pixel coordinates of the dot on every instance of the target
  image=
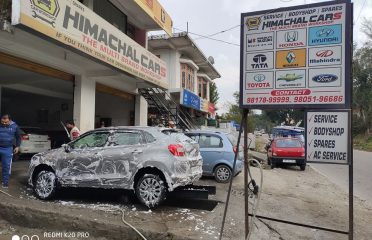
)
(84, 103)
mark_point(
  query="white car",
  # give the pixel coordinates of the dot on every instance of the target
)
(34, 140)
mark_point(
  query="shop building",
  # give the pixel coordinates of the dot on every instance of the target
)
(82, 60)
(190, 73)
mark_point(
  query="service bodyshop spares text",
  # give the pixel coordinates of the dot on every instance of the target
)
(83, 24)
(295, 17)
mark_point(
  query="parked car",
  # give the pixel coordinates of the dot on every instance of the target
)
(34, 140)
(289, 151)
(142, 159)
(218, 152)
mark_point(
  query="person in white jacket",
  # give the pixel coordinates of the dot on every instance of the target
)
(74, 131)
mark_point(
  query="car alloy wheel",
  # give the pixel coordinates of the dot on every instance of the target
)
(223, 174)
(45, 185)
(151, 190)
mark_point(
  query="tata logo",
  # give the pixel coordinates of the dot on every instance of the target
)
(291, 36)
(259, 61)
(291, 57)
(325, 78)
(45, 10)
(325, 32)
(259, 78)
(253, 23)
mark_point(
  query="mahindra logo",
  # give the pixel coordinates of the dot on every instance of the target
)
(324, 53)
(291, 36)
(260, 58)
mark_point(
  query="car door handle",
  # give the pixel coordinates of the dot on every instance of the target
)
(137, 151)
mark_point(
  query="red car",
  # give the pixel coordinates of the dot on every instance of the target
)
(289, 151)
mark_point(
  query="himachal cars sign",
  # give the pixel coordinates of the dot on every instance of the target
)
(298, 57)
(78, 27)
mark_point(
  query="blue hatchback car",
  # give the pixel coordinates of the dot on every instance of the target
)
(218, 152)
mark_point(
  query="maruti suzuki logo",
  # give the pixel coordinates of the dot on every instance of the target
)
(324, 53)
(291, 36)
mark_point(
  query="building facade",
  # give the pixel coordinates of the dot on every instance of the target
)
(190, 73)
(82, 60)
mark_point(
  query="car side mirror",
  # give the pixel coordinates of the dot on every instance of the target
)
(67, 148)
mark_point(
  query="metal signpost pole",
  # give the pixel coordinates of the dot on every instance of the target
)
(351, 181)
(246, 166)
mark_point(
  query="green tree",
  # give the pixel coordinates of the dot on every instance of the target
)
(362, 83)
(214, 96)
(235, 113)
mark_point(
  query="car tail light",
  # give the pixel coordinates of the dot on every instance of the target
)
(177, 150)
(25, 137)
(235, 149)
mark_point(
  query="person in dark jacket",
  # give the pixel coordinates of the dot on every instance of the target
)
(9, 131)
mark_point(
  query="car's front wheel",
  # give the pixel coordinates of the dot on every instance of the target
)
(222, 174)
(45, 185)
(151, 190)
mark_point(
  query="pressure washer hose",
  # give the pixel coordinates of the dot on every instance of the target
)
(257, 202)
(129, 225)
(6, 193)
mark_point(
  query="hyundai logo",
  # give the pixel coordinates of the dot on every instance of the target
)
(259, 78)
(291, 36)
(325, 78)
(260, 58)
(324, 53)
(325, 32)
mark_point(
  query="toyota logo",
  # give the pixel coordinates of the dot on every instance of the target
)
(259, 78)
(324, 53)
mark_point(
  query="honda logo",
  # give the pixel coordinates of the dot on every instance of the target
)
(324, 53)
(291, 36)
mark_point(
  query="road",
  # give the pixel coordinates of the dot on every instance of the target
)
(338, 174)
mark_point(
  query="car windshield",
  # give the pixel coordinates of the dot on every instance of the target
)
(288, 143)
(31, 130)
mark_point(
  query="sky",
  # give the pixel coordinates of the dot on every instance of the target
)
(207, 17)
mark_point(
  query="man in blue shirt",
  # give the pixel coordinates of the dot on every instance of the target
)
(9, 131)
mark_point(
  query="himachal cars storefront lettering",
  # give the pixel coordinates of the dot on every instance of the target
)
(80, 28)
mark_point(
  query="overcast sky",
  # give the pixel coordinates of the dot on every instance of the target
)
(210, 16)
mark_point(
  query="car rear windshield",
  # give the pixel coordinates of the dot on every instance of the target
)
(33, 131)
(233, 139)
(288, 143)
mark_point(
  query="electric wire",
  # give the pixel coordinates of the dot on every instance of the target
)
(220, 32)
(361, 10)
(206, 37)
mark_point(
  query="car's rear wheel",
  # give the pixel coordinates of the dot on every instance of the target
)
(151, 190)
(45, 185)
(222, 174)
